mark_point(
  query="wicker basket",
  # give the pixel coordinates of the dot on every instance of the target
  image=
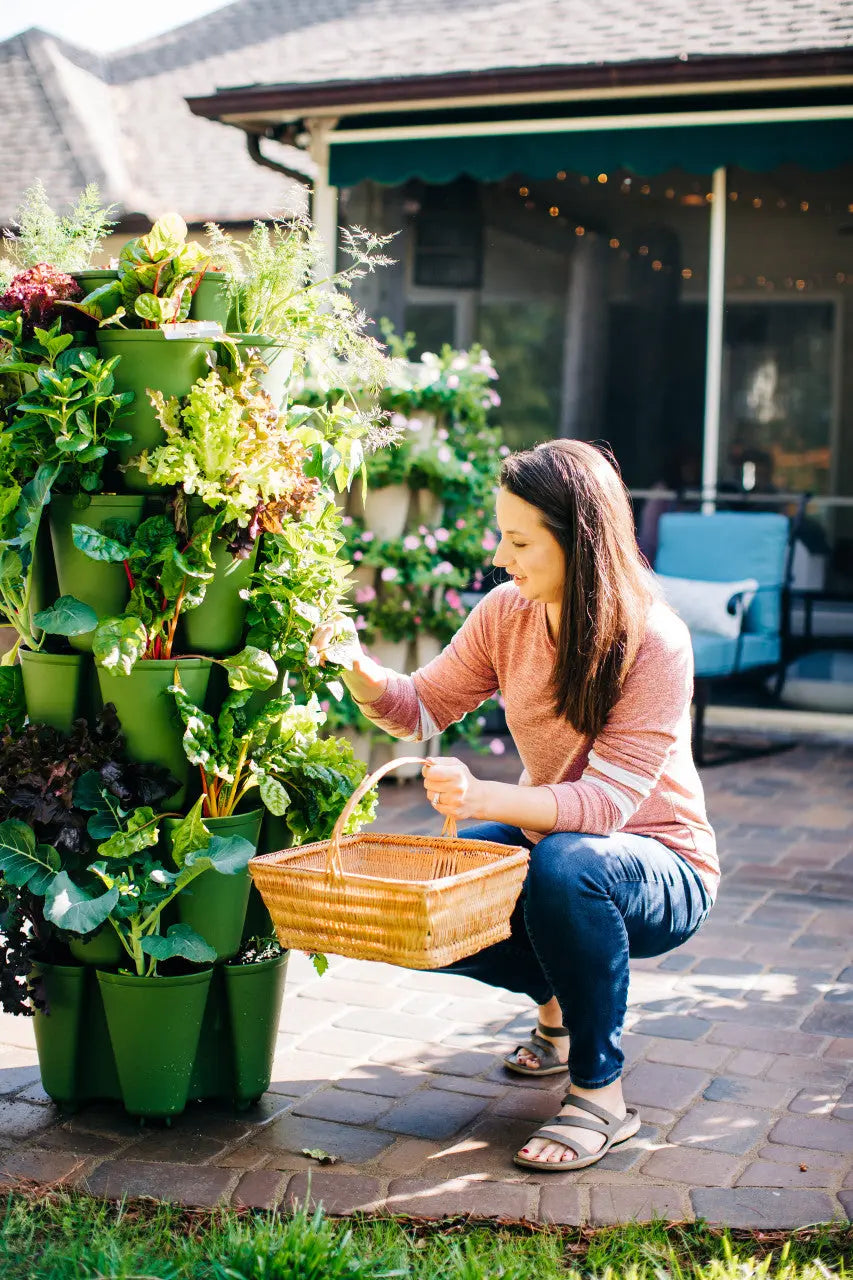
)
(417, 901)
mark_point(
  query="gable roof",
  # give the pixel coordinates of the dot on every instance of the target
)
(70, 116)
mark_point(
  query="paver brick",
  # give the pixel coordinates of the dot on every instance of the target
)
(296, 1072)
(762, 1207)
(770, 1173)
(432, 1113)
(802, 1071)
(561, 1206)
(715, 1126)
(196, 1185)
(388, 1082)
(260, 1189)
(686, 1053)
(344, 1105)
(749, 1062)
(841, 1049)
(830, 1019)
(846, 1199)
(622, 1203)
(174, 1147)
(82, 1144)
(813, 1131)
(663, 1086)
(692, 1167)
(339, 1193)
(347, 1141)
(13, 1078)
(747, 1036)
(403, 1026)
(815, 1102)
(747, 1092)
(462, 1197)
(23, 1120)
(812, 1156)
(340, 991)
(672, 1026)
(46, 1167)
(450, 1062)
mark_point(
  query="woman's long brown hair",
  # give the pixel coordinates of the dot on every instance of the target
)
(585, 505)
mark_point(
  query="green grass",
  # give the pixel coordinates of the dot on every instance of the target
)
(71, 1237)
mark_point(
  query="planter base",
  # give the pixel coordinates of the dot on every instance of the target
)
(231, 1063)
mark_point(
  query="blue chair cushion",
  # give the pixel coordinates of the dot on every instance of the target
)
(715, 655)
(726, 545)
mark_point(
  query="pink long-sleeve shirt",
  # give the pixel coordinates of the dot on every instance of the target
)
(637, 775)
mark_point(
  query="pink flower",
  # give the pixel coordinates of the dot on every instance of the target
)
(430, 542)
(406, 605)
(400, 421)
(504, 451)
(365, 594)
(453, 381)
(460, 524)
(501, 702)
(478, 579)
(324, 706)
(489, 541)
(466, 468)
(441, 535)
(442, 433)
(368, 535)
(497, 747)
(417, 619)
(388, 574)
(453, 598)
(411, 542)
(444, 454)
(358, 555)
(444, 567)
(422, 529)
(347, 520)
(415, 424)
(360, 624)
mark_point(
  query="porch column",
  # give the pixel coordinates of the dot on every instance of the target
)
(585, 341)
(324, 197)
(714, 358)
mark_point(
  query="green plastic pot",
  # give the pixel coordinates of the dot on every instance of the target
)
(103, 949)
(215, 904)
(254, 993)
(43, 588)
(258, 919)
(216, 626)
(93, 277)
(211, 301)
(102, 586)
(276, 354)
(58, 1031)
(154, 1026)
(150, 359)
(147, 713)
(54, 687)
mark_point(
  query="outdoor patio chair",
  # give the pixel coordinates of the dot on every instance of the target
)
(728, 574)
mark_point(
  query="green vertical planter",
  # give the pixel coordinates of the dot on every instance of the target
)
(216, 626)
(275, 354)
(54, 687)
(102, 586)
(211, 301)
(258, 919)
(150, 359)
(254, 993)
(93, 277)
(102, 949)
(149, 718)
(215, 904)
(154, 1026)
(57, 1032)
(43, 586)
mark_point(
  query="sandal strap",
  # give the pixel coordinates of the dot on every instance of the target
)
(583, 1122)
(545, 1052)
(551, 1134)
(557, 1033)
(607, 1118)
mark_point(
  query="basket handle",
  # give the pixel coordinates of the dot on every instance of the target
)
(334, 866)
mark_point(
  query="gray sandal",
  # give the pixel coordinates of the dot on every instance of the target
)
(549, 1063)
(615, 1130)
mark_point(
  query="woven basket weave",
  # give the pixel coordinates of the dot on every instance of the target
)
(417, 901)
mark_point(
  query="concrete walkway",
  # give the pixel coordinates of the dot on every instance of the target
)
(740, 1052)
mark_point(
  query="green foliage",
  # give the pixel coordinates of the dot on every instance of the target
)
(67, 241)
(67, 617)
(157, 276)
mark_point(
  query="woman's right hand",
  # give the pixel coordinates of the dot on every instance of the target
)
(337, 641)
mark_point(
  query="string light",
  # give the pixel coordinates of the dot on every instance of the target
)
(580, 231)
(524, 191)
(554, 211)
(614, 243)
(686, 273)
(602, 178)
(562, 175)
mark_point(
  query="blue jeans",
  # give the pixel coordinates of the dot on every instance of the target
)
(588, 904)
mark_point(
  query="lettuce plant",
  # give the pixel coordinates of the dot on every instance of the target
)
(36, 291)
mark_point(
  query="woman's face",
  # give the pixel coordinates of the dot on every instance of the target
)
(528, 551)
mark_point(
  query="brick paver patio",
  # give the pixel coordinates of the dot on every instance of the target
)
(740, 1053)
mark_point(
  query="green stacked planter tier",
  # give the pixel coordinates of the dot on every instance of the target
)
(215, 904)
(55, 687)
(234, 1047)
(150, 359)
(275, 354)
(210, 300)
(147, 713)
(216, 626)
(97, 583)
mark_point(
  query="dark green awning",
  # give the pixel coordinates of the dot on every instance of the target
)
(699, 149)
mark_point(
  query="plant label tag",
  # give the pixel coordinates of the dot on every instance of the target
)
(193, 329)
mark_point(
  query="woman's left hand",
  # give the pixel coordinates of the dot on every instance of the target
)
(451, 787)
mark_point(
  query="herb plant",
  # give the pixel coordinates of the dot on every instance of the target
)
(67, 241)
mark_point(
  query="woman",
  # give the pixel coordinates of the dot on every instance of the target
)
(596, 674)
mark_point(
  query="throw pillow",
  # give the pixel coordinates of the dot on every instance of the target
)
(714, 607)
